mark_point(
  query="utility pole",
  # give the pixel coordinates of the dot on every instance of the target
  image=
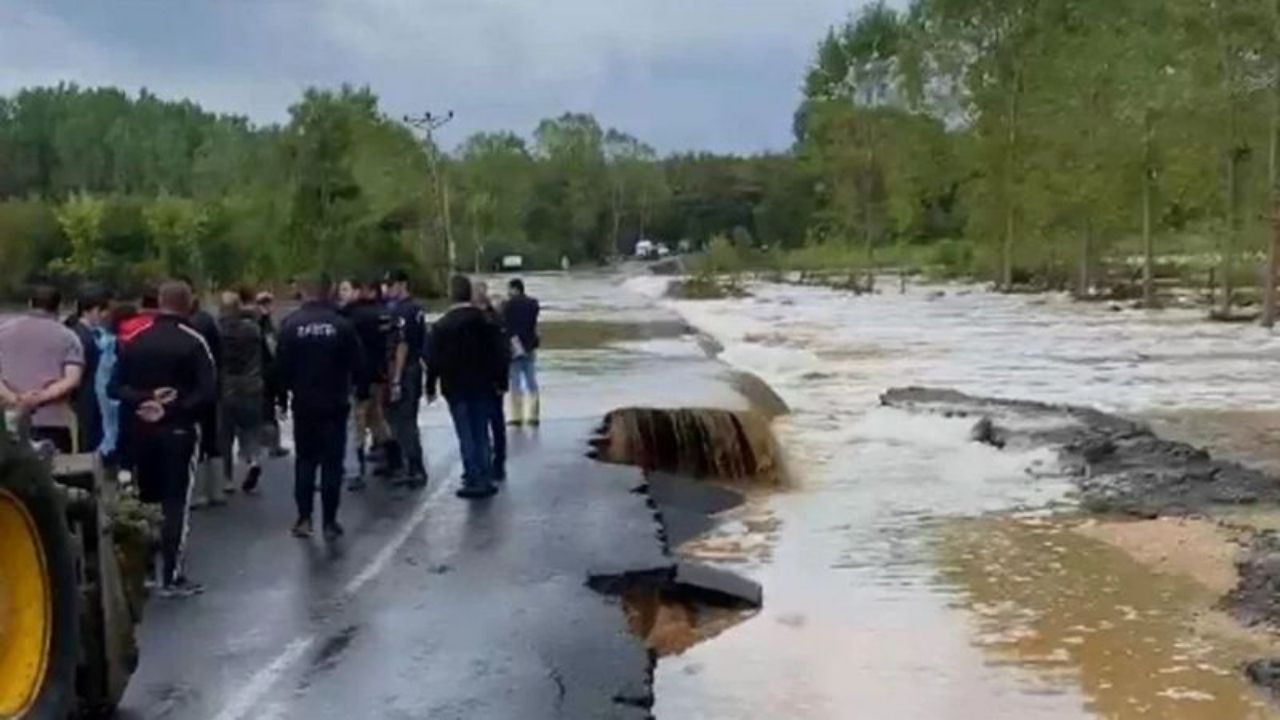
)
(428, 123)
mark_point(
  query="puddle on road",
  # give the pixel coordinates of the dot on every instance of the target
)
(1081, 614)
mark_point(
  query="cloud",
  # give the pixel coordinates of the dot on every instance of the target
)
(714, 74)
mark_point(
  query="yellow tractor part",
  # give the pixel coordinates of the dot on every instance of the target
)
(25, 608)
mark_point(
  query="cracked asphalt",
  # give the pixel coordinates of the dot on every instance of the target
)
(430, 608)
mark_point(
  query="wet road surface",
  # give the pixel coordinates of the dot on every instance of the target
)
(431, 607)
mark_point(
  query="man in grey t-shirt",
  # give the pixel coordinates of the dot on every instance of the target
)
(41, 365)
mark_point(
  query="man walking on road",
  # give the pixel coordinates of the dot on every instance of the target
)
(210, 489)
(466, 360)
(240, 391)
(320, 361)
(520, 317)
(164, 380)
(497, 420)
(405, 392)
(41, 365)
(275, 402)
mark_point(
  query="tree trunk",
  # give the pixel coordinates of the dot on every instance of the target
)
(475, 239)
(1227, 71)
(1273, 178)
(448, 225)
(868, 239)
(1083, 279)
(868, 199)
(617, 217)
(1010, 210)
(1148, 245)
(1229, 241)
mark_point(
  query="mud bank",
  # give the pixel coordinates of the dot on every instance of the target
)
(1119, 466)
(1190, 514)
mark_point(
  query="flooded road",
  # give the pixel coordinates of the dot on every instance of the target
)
(885, 598)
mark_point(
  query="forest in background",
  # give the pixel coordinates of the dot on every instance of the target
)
(1045, 143)
(98, 183)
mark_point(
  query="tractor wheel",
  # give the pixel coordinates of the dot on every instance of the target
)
(39, 622)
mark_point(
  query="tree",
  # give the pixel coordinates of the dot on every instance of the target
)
(81, 220)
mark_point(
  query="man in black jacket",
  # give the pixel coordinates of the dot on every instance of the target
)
(275, 400)
(520, 316)
(164, 380)
(466, 360)
(241, 390)
(320, 361)
(209, 486)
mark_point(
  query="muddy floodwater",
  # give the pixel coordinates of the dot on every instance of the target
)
(909, 572)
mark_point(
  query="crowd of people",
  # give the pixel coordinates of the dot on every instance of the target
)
(170, 396)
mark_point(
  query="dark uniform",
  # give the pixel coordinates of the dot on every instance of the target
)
(162, 351)
(320, 361)
(379, 336)
(411, 324)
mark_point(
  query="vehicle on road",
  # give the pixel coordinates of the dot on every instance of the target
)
(73, 549)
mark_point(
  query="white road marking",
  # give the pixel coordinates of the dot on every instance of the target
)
(262, 681)
(242, 702)
(388, 552)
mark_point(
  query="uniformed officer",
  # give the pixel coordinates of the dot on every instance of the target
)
(320, 361)
(407, 376)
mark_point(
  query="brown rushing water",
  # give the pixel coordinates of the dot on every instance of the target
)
(1083, 615)
(911, 573)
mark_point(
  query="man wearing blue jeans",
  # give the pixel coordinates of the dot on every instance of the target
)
(466, 362)
(520, 318)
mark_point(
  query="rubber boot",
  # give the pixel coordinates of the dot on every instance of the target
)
(533, 411)
(515, 409)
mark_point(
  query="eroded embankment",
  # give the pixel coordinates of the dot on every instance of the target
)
(1124, 470)
(697, 460)
(699, 443)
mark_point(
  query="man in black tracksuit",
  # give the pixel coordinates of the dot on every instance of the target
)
(320, 360)
(164, 380)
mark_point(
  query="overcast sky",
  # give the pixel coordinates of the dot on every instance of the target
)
(721, 75)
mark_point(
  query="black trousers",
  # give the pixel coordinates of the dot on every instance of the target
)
(320, 440)
(163, 460)
(498, 428)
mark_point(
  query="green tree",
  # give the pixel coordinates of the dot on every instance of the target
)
(81, 220)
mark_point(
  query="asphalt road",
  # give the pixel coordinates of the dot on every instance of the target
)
(430, 607)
